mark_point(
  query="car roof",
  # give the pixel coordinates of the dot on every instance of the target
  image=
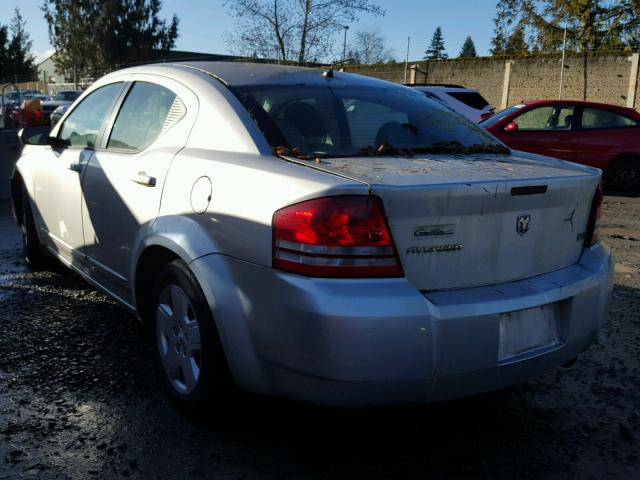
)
(235, 74)
(582, 103)
(441, 87)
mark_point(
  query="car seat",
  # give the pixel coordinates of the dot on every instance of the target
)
(397, 135)
(303, 126)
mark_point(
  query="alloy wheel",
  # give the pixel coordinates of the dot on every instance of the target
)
(178, 339)
(627, 173)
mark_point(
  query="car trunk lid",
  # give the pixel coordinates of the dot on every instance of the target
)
(461, 221)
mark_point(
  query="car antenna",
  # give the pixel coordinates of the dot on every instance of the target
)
(328, 73)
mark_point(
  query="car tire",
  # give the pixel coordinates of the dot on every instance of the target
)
(623, 174)
(34, 254)
(187, 344)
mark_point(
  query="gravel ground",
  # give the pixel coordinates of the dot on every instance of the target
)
(80, 398)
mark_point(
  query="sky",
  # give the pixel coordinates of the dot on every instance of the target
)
(203, 23)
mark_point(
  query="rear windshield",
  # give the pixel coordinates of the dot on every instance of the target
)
(472, 99)
(350, 121)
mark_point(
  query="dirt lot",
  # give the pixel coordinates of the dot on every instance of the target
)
(79, 398)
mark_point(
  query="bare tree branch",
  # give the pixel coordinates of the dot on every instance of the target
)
(285, 30)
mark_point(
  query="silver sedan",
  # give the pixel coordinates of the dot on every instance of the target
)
(316, 235)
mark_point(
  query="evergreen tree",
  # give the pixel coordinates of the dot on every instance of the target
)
(590, 24)
(468, 49)
(15, 48)
(436, 50)
(623, 19)
(499, 39)
(19, 49)
(352, 58)
(4, 61)
(516, 45)
(94, 36)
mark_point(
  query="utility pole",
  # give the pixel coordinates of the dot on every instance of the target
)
(406, 60)
(564, 46)
(344, 45)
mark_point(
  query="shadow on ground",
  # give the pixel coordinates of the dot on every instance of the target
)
(80, 398)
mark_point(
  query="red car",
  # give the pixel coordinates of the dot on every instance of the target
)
(595, 134)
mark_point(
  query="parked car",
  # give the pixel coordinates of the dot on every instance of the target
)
(466, 101)
(594, 134)
(30, 113)
(322, 236)
(67, 95)
(58, 113)
(61, 99)
(19, 95)
(12, 102)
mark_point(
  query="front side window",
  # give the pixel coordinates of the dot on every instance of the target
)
(146, 113)
(350, 121)
(492, 120)
(83, 125)
(546, 118)
(598, 118)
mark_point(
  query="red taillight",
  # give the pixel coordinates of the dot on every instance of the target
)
(341, 236)
(593, 229)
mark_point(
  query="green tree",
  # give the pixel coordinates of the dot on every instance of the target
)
(93, 36)
(499, 39)
(15, 48)
(19, 54)
(590, 24)
(468, 49)
(4, 61)
(436, 50)
(516, 45)
(623, 19)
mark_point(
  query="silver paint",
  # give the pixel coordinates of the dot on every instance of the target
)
(430, 335)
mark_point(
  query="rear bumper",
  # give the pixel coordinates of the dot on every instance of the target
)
(381, 341)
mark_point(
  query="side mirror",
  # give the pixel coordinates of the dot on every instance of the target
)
(39, 135)
(511, 127)
(35, 135)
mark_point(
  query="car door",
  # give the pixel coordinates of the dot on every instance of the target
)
(58, 180)
(604, 134)
(547, 130)
(124, 179)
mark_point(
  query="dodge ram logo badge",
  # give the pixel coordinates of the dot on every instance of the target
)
(522, 226)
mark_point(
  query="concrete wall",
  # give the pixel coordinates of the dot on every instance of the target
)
(534, 78)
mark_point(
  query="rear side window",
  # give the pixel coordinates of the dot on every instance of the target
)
(546, 118)
(147, 112)
(598, 118)
(83, 125)
(471, 99)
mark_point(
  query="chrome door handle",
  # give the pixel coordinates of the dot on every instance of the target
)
(75, 167)
(143, 179)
